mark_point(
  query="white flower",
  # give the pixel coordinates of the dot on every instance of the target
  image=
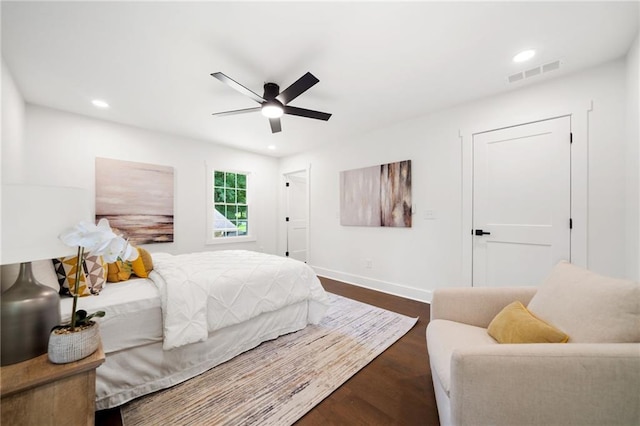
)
(118, 247)
(99, 240)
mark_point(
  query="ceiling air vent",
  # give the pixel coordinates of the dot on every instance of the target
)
(532, 72)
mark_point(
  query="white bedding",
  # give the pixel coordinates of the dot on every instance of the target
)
(204, 292)
(133, 316)
(132, 330)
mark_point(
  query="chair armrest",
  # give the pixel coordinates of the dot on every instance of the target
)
(476, 305)
(550, 384)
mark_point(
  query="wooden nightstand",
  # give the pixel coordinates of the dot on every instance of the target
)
(37, 392)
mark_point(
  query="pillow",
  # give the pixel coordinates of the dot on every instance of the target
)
(515, 324)
(92, 275)
(143, 264)
(118, 271)
(95, 270)
(590, 308)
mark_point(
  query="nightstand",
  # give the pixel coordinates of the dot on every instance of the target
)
(37, 392)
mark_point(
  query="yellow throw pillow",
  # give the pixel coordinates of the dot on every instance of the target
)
(118, 271)
(143, 264)
(515, 324)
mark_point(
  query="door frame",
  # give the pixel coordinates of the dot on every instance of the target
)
(579, 116)
(285, 200)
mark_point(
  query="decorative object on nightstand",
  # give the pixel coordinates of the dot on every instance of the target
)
(80, 338)
(31, 217)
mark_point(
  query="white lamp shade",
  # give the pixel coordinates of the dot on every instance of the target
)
(34, 215)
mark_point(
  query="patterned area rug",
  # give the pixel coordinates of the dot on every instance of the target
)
(281, 380)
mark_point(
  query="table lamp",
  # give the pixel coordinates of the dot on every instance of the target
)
(32, 218)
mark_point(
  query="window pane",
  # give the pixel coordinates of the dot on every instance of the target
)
(231, 212)
(218, 178)
(242, 181)
(242, 227)
(231, 180)
(242, 196)
(242, 212)
(230, 196)
(220, 208)
(218, 195)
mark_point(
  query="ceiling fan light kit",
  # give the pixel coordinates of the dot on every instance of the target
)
(272, 109)
(273, 104)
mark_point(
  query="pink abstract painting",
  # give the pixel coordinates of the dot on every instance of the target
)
(136, 198)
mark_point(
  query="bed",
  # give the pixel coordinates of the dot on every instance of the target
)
(227, 303)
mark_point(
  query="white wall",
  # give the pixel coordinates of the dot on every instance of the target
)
(61, 149)
(633, 160)
(13, 110)
(413, 262)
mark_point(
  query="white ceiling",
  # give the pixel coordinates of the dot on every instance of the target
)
(377, 62)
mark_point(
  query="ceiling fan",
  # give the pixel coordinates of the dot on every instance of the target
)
(273, 104)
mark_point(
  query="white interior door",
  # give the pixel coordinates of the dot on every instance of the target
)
(297, 215)
(521, 202)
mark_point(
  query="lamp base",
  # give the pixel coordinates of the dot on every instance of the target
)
(29, 311)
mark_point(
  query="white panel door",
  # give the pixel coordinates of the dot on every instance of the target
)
(521, 202)
(297, 215)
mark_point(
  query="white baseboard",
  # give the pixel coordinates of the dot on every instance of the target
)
(394, 289)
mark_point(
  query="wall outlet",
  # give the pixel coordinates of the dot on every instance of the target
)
(368, 263)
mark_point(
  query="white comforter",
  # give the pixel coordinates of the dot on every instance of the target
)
(203, 292)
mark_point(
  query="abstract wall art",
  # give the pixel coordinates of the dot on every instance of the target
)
(376, 196)
(137, 198)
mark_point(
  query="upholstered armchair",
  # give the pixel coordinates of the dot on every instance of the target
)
(593, 379)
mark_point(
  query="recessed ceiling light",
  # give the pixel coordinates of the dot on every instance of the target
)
(271, 147)
(98, 103)
(525, 55)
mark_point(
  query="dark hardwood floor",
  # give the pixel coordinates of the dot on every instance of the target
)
(394, 389)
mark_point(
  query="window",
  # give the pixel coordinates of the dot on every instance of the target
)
(228, 210)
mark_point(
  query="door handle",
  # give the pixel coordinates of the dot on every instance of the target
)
(481, 232)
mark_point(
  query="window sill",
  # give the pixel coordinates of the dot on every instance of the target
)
(231, 240)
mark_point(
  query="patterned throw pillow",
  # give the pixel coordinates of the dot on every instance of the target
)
(92, 276)
(95, 269)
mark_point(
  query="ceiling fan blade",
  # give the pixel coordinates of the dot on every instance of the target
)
(237, 86)
(275, 125)
(291, 110)
(303, 84)
(237, 111)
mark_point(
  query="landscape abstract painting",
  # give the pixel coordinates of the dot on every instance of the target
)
(136, 198)
(376, 196)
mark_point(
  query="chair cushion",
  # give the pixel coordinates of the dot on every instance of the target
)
(443, 337)
(590, 308)
(515, 324)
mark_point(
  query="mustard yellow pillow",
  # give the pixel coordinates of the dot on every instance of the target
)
(143, 264)
(118, 271)
(515, 324)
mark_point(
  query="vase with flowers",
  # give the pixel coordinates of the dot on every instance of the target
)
(80, 338)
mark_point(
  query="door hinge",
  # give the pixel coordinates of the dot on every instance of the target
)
(570, 137)
(287, 254)
(570, 223)
(286, 219)
(286, 184)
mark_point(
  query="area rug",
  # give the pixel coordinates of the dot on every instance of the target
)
(279, 381)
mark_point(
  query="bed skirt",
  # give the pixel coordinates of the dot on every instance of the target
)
(130, 373)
